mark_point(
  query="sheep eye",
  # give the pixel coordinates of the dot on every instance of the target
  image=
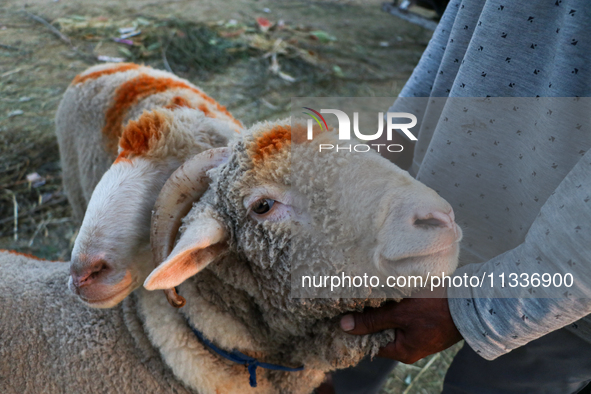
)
(263, 206)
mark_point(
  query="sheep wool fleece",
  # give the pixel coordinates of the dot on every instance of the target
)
(95, 109)
(43, 327)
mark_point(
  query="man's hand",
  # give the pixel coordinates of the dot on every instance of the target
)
(423, 326)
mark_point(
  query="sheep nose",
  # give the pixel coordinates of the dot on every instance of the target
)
(89, 274)
(435, 219)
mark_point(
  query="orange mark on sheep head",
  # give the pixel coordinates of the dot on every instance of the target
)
(278, 138)
(270, 142)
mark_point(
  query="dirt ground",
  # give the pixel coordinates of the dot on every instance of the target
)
(361, 51)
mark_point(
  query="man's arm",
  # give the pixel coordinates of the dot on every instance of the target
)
(558, 242)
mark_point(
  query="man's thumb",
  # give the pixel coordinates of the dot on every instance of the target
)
(370, 321)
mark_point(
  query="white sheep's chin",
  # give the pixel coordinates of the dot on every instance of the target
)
(431, 264)
(110, 301)
(106, 295)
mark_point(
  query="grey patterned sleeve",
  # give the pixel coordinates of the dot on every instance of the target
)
(559, 241)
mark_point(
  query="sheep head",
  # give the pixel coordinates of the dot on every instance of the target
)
(111, 255)
(264, 215)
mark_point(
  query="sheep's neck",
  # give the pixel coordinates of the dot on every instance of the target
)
(251, 363)
(195, 365)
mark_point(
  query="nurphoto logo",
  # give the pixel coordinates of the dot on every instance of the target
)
(345, 129)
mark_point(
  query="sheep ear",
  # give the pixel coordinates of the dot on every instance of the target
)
(200, 244)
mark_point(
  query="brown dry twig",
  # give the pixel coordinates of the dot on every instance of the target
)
(60, 35)
(9, 47)
(423, 370)
(7, 73)
(15, 213)
(37, 208)
(55, 31)
(47, 178)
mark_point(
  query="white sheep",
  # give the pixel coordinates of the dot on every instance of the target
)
(264, 214)
(52, 344)
(233, 265)
(97, 107)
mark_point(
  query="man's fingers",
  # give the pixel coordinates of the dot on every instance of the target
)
(370, 321)
(389, 351)
(395, 351)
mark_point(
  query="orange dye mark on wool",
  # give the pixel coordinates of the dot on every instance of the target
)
(206, 111)
(271, 142)
(122, 159)
(130, 92)
(30, 256)
(96, 74)
(178, 101)
(279, 137)
(138, 135)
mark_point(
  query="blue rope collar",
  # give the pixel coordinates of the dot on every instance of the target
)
(241, 358)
